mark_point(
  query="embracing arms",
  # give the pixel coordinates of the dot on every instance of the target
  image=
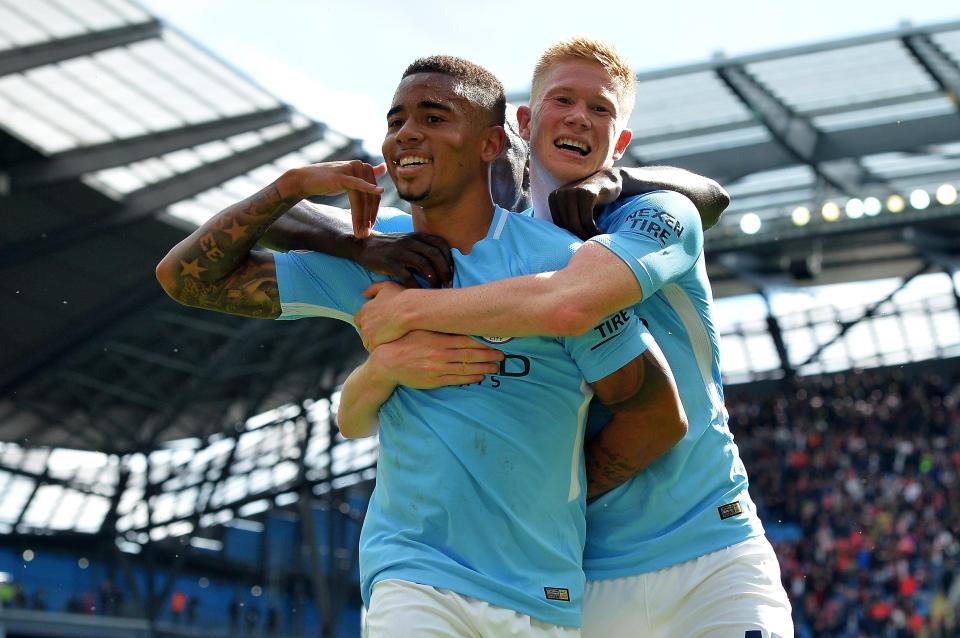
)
(648, 418)
(565, 302)
(421, 360)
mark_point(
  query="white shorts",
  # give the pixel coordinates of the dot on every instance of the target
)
(731, 593)
(401, 609)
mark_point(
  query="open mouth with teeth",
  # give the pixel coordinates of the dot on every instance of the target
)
(568, 144)
(413, 160)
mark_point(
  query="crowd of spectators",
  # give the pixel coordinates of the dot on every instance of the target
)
(865, 465)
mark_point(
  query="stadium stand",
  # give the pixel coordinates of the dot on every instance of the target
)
(164, 473)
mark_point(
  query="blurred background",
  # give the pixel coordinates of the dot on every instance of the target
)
(166, 472)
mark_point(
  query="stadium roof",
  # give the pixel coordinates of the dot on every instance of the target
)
(116, 133)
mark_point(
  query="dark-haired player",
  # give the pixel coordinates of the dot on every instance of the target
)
(476, 526)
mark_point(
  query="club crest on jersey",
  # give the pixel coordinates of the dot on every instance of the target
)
(496, 339)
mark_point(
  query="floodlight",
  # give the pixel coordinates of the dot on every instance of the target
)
(750, 223)
(895, 204)
(919, 199)
(947, 194)
(830, 211)
(872, 206)
(800, 216)
(854, 208)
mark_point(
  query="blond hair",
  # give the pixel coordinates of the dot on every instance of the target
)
(587, 48)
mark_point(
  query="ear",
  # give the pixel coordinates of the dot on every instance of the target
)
(622, 142)
(523, 120)
(492, 143)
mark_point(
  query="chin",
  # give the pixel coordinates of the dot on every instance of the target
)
(413, 197)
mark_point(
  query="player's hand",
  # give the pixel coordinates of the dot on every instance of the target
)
(574, 205)
(365, 213)
(376, 320)
(357, 179)
(426, 360)
(401, 256)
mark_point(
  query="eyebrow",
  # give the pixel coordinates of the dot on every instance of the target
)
(423, 104)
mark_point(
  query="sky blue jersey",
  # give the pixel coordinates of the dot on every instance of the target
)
(481, 488)
(694, 499)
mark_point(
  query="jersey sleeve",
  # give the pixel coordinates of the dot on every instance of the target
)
(609, 345)
(658, 235)
(393, 220)
(317, 285)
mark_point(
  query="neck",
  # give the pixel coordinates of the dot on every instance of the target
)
(462, 222)
(541, 185)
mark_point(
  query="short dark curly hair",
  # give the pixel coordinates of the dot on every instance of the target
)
(476, 84)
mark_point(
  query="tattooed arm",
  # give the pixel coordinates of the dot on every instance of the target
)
(216, 268)
(648, 420)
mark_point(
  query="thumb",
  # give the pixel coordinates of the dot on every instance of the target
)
(374, 289)
(380, 170)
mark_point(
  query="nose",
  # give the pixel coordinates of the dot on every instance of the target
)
(577, 116)
(409, 132)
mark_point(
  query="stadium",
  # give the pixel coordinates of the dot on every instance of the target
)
(165, 472)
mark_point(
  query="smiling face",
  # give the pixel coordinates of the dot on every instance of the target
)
(573, 124)
(438, 142)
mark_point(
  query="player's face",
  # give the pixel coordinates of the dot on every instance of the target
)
(573, 127)
(434, 140)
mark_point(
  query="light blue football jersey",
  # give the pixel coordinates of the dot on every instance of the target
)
(694, 499)
(480, 488)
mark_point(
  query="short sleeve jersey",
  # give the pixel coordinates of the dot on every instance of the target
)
(694, 499)
(480, 488)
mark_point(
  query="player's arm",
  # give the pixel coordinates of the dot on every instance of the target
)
(422, 360)
(216, 268)
(332, 230)
(603, 276)
(574, 206)
(648, 420)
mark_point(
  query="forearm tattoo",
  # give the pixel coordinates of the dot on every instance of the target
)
(606, 468)
(214, 266)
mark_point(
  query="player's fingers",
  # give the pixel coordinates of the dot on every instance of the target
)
(585, 208)
(564, 211)
(475, 355)
(464, 342)
(456, 379)
(463, 368)
(417, 262)
(356, 210)
(438, 263)
(374, 289)
(379, 170)
(441, 245)
(348, 183)
(407, 280)
(373, 199)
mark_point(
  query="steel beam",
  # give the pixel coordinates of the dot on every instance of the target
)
(150, 200)
(728, 164)
(845, 326)
(89, 159)
(936, 63)
(795, 133)
(28, 57)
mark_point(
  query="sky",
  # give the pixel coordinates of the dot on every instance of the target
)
(339, 61)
